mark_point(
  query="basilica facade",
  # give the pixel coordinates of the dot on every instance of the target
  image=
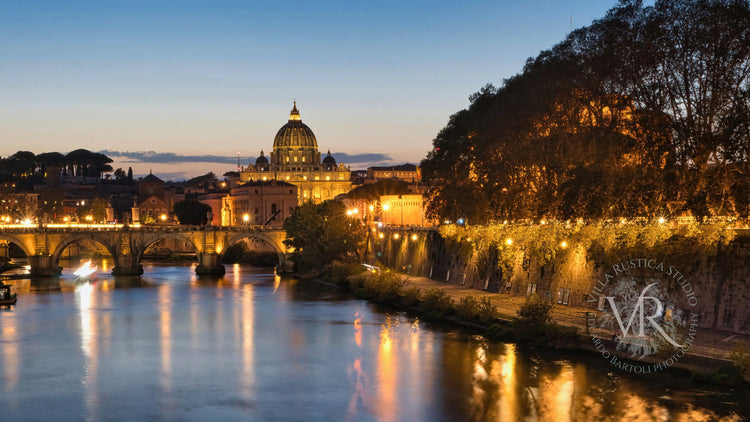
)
(295, 159)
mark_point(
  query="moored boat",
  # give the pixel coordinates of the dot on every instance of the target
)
(6, 297)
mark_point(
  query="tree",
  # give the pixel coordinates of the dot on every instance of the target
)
(643, 113)
(192, 212)
(322, 233)
(96, 208)
(120, 175)
(202, 182)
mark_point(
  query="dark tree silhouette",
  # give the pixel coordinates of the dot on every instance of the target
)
(192, 212)
(645, 112)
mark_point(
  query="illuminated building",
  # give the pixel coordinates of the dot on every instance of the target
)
(295, 159)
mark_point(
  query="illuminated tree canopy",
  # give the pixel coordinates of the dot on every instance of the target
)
(645, 112)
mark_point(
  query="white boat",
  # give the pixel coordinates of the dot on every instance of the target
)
(85, 271)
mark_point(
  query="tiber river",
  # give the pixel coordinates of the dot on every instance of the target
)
(255, 347)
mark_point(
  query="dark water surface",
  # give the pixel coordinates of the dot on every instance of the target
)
(253, 346)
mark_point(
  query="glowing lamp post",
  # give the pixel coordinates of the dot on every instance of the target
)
(246, 218)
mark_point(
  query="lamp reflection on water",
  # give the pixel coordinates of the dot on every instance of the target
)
(387, 371)
(10, 350)
(85, 299)
(165, 321)
(248, 348)
(355, 371)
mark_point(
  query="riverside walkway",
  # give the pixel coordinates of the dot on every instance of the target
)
(708, 343)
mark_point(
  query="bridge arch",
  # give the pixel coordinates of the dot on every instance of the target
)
(67, 240)
(154, 237)
(18, 242)
(275, 243)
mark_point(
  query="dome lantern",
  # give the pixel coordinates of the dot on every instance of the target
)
(294, 114)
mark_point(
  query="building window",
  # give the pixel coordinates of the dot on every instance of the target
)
(287, 159)
(295, 159)
(303, 159)
(273, 208)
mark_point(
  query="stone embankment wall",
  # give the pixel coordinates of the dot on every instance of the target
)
(719, 282)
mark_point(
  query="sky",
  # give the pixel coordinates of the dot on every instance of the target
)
(182, 88)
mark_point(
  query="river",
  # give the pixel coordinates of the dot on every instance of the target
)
(254, 346)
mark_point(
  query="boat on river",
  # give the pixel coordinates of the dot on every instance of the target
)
(85, 272)
(6, 297)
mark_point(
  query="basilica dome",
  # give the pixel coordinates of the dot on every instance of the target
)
(295, 133)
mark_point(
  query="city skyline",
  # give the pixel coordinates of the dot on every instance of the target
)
(375, 82)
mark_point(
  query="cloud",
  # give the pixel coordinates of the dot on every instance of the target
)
(371, 157)
(137, 157)
(171, 166)
(169, 157)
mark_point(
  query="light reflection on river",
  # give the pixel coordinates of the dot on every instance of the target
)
(252, 346)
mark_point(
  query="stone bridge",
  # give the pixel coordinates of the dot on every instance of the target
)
(43, 245)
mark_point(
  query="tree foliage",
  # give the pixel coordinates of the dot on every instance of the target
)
(322, 233)
(192, 212)
(373, 191)
(26, 169)
(202, 182)
(645, 112)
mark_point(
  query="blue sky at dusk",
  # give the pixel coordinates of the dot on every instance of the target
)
(373, 80)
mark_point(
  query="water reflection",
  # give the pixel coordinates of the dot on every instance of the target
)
(10, 349)
(248, 340)
(359, 395)
(505, 387)
(85, 300)
(165, 337)
(253, 346)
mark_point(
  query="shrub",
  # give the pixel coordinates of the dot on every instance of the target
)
(530, 324)
(741, 360)
(467, 308)
(384, 286)
(340, 273)
(435, 299)
(487, 311)
(411, 297)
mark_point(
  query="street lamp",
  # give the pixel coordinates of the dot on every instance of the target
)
(246, 218)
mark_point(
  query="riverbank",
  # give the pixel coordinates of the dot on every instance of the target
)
(708, 359)
(710, 344)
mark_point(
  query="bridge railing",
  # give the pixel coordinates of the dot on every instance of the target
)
(161, 228)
